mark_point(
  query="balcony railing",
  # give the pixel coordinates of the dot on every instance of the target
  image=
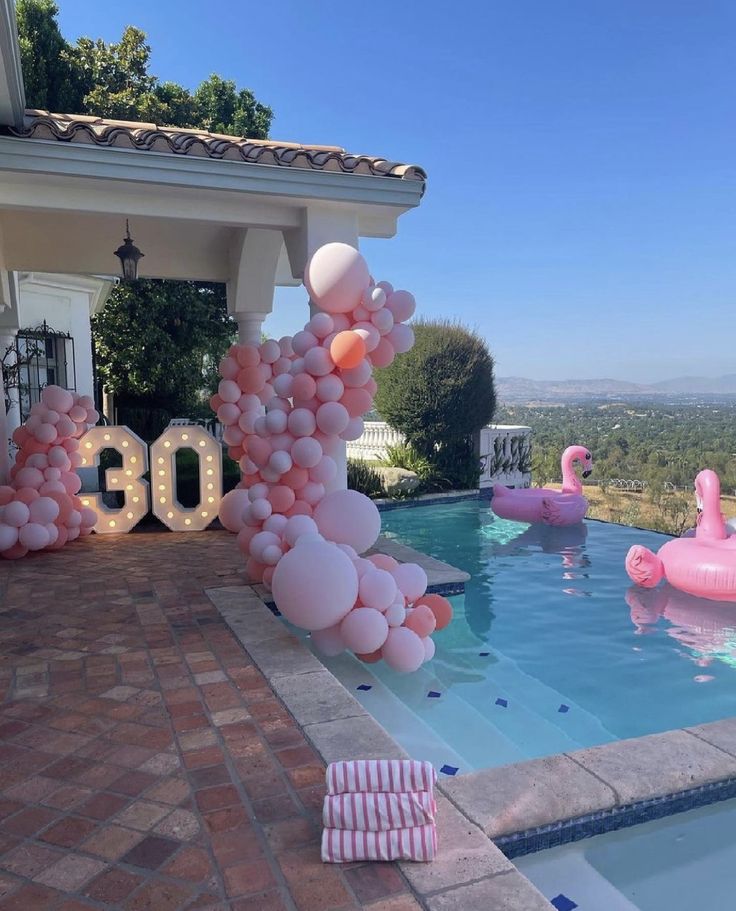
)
(505, 451)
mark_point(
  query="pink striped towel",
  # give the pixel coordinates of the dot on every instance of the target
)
(395, 776)
(340, 846)
(366, 812)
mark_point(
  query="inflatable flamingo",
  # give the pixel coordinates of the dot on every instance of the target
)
(550, 507)
(704, 565)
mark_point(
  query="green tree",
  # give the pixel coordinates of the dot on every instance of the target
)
(114, 80)
(157, 342)
(51, 72)
(439, 395)
(173, 364)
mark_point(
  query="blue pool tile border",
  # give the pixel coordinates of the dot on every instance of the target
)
(387, 505)
(567, 831)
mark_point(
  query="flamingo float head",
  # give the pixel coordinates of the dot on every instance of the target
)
(582, 456)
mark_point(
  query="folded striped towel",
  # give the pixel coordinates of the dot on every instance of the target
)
(377, 812)
(396, 776)
(340, 846)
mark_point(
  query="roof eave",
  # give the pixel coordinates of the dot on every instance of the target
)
(24, 155)
(12, 92)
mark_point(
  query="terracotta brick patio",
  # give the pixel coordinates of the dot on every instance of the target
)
(145, 763)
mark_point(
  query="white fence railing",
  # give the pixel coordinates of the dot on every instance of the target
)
(505, 451)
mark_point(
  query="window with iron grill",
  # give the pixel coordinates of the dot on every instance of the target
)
(45, 357)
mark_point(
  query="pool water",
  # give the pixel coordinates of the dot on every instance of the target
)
(679, 863)
(550, 649)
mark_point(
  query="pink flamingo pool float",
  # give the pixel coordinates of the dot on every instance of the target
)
(703, 565)
(543, 504)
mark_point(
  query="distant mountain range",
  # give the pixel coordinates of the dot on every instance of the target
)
(520, 389)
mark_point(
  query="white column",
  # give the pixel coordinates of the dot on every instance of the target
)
(250, 326)
(322, 225)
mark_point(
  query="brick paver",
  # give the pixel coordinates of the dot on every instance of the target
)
(145, 763)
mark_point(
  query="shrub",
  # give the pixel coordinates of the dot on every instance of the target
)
(364, 479)
(405, 456)
(439, 395)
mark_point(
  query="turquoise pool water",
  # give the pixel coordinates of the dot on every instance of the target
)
(550, 648)
(680, 863)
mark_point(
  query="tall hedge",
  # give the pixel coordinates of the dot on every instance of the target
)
(439, 395)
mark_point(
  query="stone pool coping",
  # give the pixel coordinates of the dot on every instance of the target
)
(488, 817)
(470, 873)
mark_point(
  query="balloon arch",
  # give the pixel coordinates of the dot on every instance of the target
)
(286, 406)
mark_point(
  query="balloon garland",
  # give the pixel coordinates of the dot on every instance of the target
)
(40, 509)
(285, 406)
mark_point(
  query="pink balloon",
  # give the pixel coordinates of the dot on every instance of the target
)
(229, 391)
(34, 536)
(422, 621)
(330, 388)
(302, 423)
(72, 483)
(358, 376)
(402, 305)
(357, 402)
(15, 552)
(349, 517)
(373, 298)
(228, 413)
(354, 430)
(364, 630)
(259, 450)
(281, 498)
(281, 367)
(370, 335)
(383, 561)
(306, 452)
(58, 458)
(304, 387)
(403, 650)
(250, 380)
(304, 341)
(43, 510)
(262, 540)
(328, 641)
(383, 320)
(270, 351)
(320, 325)
(29, 477)
(46, 433)
(429, 649)
(275, 523)
(318, 362)
(332, 418)
(411, 580)
(312, 492)
(266, 394)
(378, 590)
(65, 426)
(59, 399)
(315, 585)
(89, 517)
(233, 435)
(229, 368)
(8, 536)
(249, 402)
(383, 355)
(247, 355)
(7, 494)
(245, 536)
(78, 414)
(215, 402)
(297, 526)
(335, 277)
(261, 509)
(324, 471)
(86, 401)
(276, 421)
(16, 513)
(401, 338)
(280, 461)
(286, 346)
(232, 507)
(247, 421)
(296, 477)
(283, 385)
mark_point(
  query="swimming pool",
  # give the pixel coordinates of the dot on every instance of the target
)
(551, 649)
(678, 863)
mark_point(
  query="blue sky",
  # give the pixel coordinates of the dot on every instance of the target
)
(581, 205)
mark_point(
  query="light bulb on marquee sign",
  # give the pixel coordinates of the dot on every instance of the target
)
(136, 491)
